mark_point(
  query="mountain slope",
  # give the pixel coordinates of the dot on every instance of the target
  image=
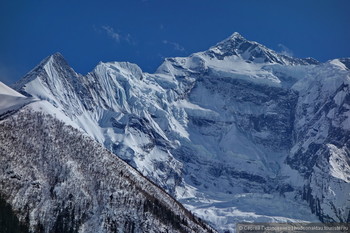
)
(236, 133)
(58, 180)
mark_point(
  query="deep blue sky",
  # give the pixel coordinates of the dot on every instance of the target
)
(146, 31)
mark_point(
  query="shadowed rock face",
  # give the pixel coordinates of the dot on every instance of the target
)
(274, 115)
(8, 219)
(236, 133)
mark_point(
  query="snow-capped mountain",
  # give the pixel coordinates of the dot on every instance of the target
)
(251, 51)
(235, 133)
(53, 178)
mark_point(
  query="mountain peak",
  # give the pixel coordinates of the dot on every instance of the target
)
(236, 35)
(237, 45)
(53, 67)
(251, 51)
(57, 55)
(56, 58)
(232, 41)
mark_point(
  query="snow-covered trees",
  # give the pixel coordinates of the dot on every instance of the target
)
(58, 180)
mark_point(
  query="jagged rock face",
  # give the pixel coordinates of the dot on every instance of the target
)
(264, 113)
(236, 133)
(58, 180)
(321, 147)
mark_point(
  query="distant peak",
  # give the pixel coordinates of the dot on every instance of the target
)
(233, 45)
(56, 57)
(236, 35)
(235, 38)
(251, 51)
(54, 63)
(56, 60)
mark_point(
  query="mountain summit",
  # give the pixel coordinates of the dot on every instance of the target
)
(236, 133)
(48, 68)
(237, 45)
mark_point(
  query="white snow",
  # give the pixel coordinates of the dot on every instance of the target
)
(47, 108)
(339, 163)
(338, 64)
(6, 90)
(11, 100)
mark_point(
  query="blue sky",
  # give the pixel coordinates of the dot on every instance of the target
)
(146, 31)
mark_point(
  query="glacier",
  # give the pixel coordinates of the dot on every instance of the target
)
(235, 133)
